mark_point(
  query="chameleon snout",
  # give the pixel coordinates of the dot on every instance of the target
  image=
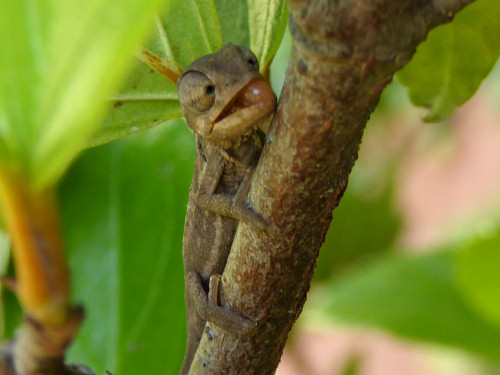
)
(254, 103)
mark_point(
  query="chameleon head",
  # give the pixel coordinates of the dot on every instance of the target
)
(223, 95)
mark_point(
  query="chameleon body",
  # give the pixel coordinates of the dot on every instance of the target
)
(227, 106)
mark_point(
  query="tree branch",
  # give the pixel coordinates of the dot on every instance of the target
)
(345, 52)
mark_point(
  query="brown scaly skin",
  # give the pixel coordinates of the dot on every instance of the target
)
(227, 105)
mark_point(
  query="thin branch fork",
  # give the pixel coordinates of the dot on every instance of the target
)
(345, 52)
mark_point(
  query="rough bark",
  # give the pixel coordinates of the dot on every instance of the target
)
(345, 52)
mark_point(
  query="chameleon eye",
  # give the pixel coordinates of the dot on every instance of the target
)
(196, 91)
(210, 90)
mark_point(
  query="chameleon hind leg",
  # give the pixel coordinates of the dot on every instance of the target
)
(208, 308)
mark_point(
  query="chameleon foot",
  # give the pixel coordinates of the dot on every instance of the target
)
(247, 216)
(227, 206)
(208, 308)
(223, 317)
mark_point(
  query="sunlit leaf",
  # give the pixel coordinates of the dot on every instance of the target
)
(267, 21)
(185, 31)
(256, 24)
(449, 67)
(280, 63)
(59, 60)
(147, 99)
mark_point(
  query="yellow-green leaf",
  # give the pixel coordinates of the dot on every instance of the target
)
(186, 30)
(59, 61)
(267, 21)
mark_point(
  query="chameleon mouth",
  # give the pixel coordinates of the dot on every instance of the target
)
(254, 103)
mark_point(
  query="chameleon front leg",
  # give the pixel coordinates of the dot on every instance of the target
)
(227, 205)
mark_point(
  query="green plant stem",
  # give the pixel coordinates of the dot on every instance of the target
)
(42, 280)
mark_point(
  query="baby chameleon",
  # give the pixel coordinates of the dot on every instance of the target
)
(228, 106)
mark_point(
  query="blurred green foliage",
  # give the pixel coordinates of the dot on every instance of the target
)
(59, 60)
(352, 367)
(362, 229)
(449, 67)
(123, 203)
(479, 278)
(417, 297)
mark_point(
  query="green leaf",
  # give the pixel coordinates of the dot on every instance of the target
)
(256, 24)
(449, 67)
(12, 313)
(413, 297)
(59, 60)
(267, 20)
(185, 31)
(147, 99)
(123, 207)
(23, 39)
(233, 16)
(479, 278)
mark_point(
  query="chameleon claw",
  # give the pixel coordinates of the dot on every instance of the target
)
(208, 307)
(213, 290)
(223, 317)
